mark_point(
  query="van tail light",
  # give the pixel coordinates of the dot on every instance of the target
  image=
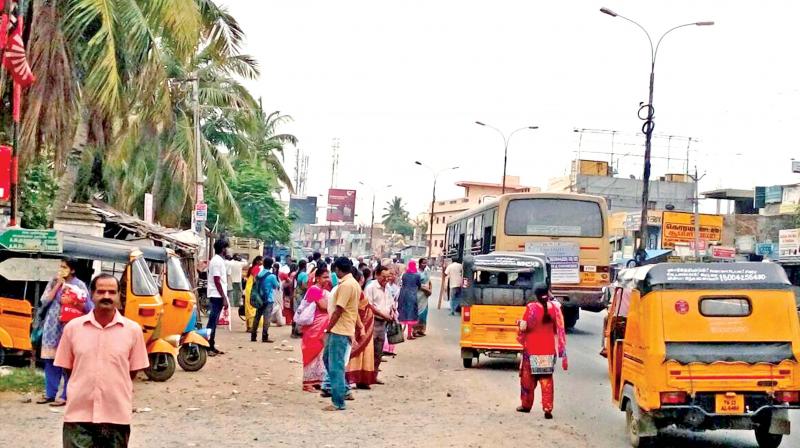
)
(180, 303)
(673, 397)
(147, 312)
(465, 313)
(786, 396)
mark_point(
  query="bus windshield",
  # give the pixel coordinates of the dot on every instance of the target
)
(553, 217)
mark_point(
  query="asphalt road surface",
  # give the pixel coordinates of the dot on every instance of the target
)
(583, 394)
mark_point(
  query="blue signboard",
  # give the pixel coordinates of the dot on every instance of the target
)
(765, 249)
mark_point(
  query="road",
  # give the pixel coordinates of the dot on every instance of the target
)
(251, 397)
(583, 395)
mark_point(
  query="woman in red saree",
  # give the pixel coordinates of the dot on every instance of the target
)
(541, 328)
(361, 368)
(313, 341)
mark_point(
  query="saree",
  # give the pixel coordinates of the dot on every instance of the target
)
(249, 311)
(312, 344)
(361, 368)
(422, 303)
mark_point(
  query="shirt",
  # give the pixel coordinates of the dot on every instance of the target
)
(236, 268)
(454, 273)
(302, 279)
(100, 388)
(379, 297)
(217, 268)
(347, 296)
(268, 283)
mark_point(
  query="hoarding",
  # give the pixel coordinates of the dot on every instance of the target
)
(304, 209)
(341, 205)
(678, 227)
(789, 245)
(563, 258)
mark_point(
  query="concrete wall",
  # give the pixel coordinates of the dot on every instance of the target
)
(625, 195)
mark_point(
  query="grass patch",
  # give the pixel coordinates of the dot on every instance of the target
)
(22, 379)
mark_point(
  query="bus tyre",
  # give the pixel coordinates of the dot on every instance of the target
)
(765, 439)
(162, 367)
(570, 316)
(632, 428)
(192, 357)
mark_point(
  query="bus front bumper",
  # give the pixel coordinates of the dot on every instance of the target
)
(589, 299)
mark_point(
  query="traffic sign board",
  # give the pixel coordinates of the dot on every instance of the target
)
(29, 269)
(201, 212)
(29, 240)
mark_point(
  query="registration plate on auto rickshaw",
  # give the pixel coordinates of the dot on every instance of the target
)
(730, 403)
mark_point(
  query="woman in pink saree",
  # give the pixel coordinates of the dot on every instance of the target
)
(313, 341)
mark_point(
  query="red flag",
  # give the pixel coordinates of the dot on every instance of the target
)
(14, 58)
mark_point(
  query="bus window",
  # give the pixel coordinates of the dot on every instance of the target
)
(554, 217)
(468, 234)
(477, 232)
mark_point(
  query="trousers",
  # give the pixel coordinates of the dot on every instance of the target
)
(52, 379)
(264, 312)
(528, 382)
(335, 358)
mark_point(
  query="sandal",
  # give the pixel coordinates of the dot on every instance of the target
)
(58, 403)
(331, 407)
(45, 400)
(521, 409)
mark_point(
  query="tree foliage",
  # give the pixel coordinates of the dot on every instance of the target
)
(395, 218)
(254, 188)
(37, 190)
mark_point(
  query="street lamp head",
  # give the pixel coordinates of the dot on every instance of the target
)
(706, 23)
(480, 124)
(608, 11)
(418, 162)
(533, 127)
(455, 167)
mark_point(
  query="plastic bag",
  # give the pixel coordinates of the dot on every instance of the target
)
(225, 318)
(276, 317)
(305, 313)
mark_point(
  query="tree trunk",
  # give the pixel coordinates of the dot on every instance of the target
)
(156, 190)
(66, 185)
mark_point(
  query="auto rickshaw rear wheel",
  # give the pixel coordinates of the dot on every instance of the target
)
(632, 427)
(765, 439)
(192, 357)
(467, 362)
(2, 356)
(162, 367)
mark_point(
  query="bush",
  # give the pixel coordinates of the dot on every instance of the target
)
(21, 379)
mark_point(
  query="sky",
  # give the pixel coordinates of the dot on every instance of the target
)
(397, 82)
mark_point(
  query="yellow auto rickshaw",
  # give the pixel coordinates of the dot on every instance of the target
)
(704, 347)
(141, 301)
(180, 307)
(497, 286)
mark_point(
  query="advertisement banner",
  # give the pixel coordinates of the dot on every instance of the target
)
(341, 205)
(678, 227)
(304, 209)
(789, 245)
(563, 258)
(723, 252)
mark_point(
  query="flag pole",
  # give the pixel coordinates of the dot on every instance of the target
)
(16, 111)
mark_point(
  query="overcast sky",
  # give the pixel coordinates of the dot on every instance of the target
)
(402, 81)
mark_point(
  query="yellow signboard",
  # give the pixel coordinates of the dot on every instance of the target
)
(678, 227)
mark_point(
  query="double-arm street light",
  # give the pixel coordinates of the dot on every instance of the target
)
(649, 125)
(372, 222)
(433, 200)
(505, 143)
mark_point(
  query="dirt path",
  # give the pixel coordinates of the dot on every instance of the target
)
(251, 396)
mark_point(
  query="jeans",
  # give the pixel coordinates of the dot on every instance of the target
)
(455, 300)
(52, 379)
(264, 312)
(378, 338)
(326, 379)
(335, 357)
(213, 317)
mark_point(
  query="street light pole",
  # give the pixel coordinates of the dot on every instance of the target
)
(505, 146)
(696, 180)
(648, 126)
(433, 200)
(372, 222)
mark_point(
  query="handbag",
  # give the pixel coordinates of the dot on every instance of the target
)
(394, 333)
(543, 364)
(305, 313)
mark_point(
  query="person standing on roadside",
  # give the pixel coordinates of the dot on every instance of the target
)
(453, 277)
(300, 288)
(341, 329)
(422, 298)
(53, 327)
(381, 302)
(102, 353)
(236, 265)
(250, 283)
(266, 282)
(216, 291)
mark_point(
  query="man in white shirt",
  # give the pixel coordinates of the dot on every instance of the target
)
(381, 302)
(235, 267)
(216, 291)
(453, 277)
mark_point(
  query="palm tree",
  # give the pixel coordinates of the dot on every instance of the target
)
(394, 211)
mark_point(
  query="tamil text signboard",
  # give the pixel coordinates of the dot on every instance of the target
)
(789, 245)
(678, 227)
(341, 205)
(563, 258)
(28, 240)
